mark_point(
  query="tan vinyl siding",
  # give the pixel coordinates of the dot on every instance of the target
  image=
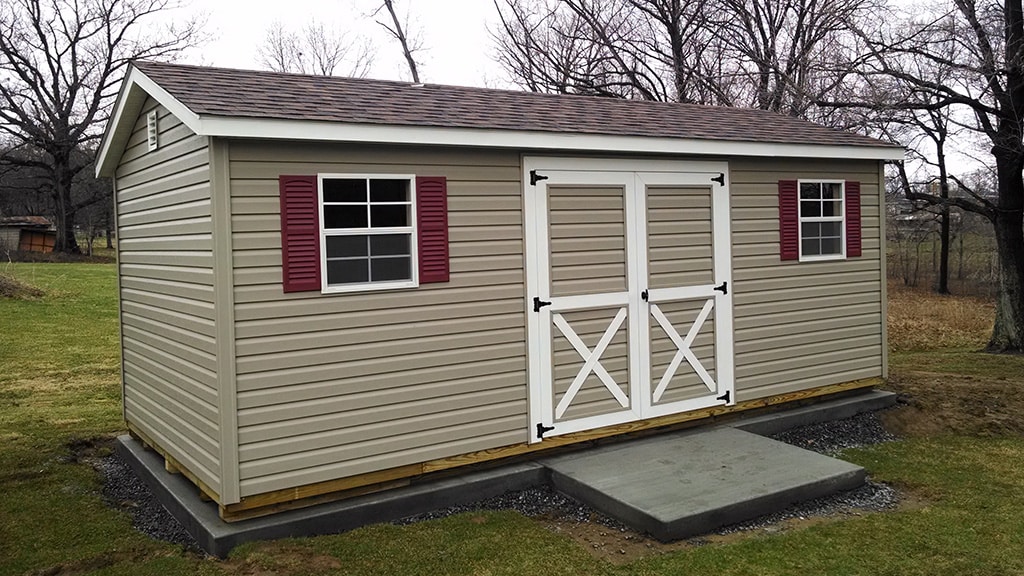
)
(167, 296)
(336, 385)
(800, 325)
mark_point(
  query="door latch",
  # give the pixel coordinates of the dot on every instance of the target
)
(724, 288)
(644, 295)
(538, 304)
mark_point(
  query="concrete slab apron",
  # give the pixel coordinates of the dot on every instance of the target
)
(678, 485)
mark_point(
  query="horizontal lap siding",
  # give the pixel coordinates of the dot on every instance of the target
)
(167, 301)
(800, 325)
(336, 385)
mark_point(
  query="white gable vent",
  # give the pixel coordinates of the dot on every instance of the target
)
(151, 130)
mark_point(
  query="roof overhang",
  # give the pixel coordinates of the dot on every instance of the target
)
(137, 86)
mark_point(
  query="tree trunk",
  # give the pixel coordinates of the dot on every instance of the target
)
(1008, 333)
(64, 209)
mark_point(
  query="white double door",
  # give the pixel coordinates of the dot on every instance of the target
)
(629, 291)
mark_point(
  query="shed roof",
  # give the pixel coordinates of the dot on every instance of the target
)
(254, 104)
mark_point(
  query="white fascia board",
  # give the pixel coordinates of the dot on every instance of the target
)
(277, 129)
(135, 87)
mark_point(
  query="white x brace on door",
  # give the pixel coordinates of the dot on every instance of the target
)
(630, 305)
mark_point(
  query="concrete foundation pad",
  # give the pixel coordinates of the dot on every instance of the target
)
(678, 485)
(729, 475)
(201, 519)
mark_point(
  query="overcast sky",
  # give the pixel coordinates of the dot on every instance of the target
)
(457, 47)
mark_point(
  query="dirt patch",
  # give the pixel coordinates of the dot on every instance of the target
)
(11, 287)
(281, 558)
(936, 403)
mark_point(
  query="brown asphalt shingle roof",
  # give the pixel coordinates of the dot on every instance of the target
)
(252, 94)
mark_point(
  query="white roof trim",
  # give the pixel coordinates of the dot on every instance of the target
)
(277, 129)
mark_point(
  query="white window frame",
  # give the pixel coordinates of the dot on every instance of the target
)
(840, 219)
(412, 230)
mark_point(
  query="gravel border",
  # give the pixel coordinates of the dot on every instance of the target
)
(123, 490)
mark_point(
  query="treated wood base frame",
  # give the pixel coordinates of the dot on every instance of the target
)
(172, 465)
(332, 490)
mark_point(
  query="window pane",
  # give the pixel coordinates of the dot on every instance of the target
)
(830, 246)
(346, 246)
(344, 190)
(384, 269)
(811, 247)
(810, 208)
(810, 190)
(347, 271)
(832, 191)
(810, 230)
(833, 229)
(387, 216)
(345, 216)
(832, 208)
(389, 190)
(390, 244)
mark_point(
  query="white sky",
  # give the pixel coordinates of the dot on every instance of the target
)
(456, 43)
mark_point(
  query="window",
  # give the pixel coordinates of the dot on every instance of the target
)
(821, 219)
(357, 232)
(368, 231)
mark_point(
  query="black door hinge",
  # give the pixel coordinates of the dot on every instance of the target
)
(724, 288)
(534, 177)
(645, 296)
(538, 304)
(720, 178)
(724, 397)
(541, 429)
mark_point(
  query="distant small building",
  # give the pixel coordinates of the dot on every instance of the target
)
(27, 234)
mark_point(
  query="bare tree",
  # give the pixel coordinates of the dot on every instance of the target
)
(768, 54)
(979, 47)
(398, 28)
(61, 62)
(315, 50)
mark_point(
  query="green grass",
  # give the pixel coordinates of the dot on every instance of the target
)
(59, 382)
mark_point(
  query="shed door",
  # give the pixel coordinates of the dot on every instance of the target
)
(625, 319)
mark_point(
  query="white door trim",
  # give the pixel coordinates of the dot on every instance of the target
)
(633, 176)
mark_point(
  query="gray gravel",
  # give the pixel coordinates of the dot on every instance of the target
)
(124, 490)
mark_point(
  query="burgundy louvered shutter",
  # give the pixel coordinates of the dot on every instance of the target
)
(789, 220)
(432, 224)
(853, 234)
(300, 233)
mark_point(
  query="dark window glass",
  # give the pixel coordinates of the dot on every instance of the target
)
(831, 229)
(385, 269)
(389, 190)
(344, 190)
(346, 247)
(831, 208)
(347, 271)
(345, 217)
(832, 191)
(810, 208)
(387, 216)
(830, 246)
(389, 244)
(810, 230)
(810, 191)
(811, 247)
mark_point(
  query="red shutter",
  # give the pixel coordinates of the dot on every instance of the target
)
(432, 224)
(852, 219)
(300, 233)
(789, 220)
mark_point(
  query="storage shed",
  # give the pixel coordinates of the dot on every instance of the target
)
(332, 284)
(27, 234)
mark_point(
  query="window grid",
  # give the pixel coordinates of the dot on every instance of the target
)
(822, 219)
(380, 268)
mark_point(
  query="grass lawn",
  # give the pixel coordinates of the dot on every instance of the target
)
(961, 465)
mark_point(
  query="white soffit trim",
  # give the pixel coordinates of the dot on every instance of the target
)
(134, 89)
(526, 140)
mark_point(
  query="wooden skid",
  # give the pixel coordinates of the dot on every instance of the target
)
(333, 490)
(171, 465)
